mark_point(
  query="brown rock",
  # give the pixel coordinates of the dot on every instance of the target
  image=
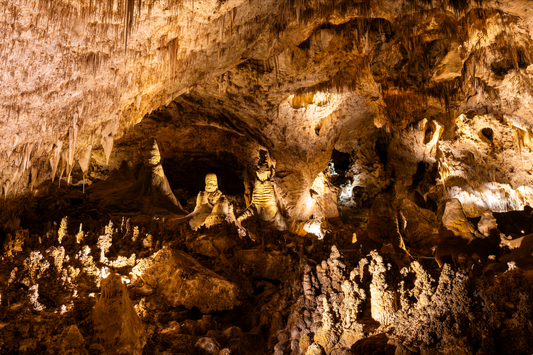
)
(116, 324)
(71, 339)
(455, 221)
(183, 281)
(419, 226)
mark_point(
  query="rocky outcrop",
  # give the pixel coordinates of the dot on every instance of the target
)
(416, 313)
(455, 222)
(418, 226)
(183, 281)
(152, 187)
(141, 199)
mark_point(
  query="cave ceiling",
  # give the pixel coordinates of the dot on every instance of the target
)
(298, 78)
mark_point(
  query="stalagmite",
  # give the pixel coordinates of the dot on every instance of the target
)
(264, 200)
(423, 110)
(117, 326)
(381, 296)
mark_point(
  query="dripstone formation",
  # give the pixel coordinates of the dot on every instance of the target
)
(286, 177)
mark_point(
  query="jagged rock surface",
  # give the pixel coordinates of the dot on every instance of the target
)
(183, 281)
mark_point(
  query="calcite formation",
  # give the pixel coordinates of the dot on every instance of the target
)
(381, 297)
(205, 202)
(117, 326)
(413, 322)
(264, 202)
(183, 281)
(380, 149)
(454, 221)
(152, 187)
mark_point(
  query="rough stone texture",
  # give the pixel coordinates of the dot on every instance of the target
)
(383, 220)
(116, 324)
(265, 76)
(183, 281)
(419, 226)
(429, 101)
(212, 246)
(486, 223)
(72, 339)
(270, 265)
(454, 221)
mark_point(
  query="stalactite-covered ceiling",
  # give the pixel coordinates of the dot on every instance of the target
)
(266, 176)
(297, 77)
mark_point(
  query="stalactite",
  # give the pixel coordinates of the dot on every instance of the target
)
(72, 138)
(128, 20)
(107, 144)
(34, 176)
(27, 153)
(54, 160)
(63, 165)
(173, 47)
(7, 186)
(85, 157)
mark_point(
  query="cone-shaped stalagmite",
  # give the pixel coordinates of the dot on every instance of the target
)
(148, 196)
(117, 326)
(152, 184)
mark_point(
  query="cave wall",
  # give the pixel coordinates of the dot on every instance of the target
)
(300, 80)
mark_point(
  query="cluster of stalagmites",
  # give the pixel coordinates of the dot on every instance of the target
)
(56, 278)
(339, 310)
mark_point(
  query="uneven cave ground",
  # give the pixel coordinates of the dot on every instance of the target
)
(295, 294)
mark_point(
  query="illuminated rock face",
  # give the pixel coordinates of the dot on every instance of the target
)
(205, 202)
(117, 326)
(454, 221)
(264, 203)
(266, 76)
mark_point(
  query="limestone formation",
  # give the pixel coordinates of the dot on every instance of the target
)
(150, 195)
(381, 296)
(454, 221)
(487, 223)
(72, 339)
(183, 281)
(419, 226)
(13, 244)
(423, 289)
(117, 326)
(222, 211)
(206, 201)
(383, 221)
(62, 233)
(152, 185)
(264, 203)
(402, 132)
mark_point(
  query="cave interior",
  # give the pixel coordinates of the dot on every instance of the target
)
(266, 177)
